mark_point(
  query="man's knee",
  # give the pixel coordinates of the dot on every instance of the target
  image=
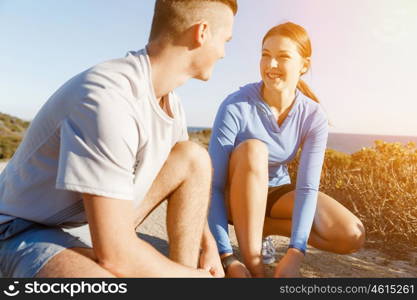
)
(194, 156)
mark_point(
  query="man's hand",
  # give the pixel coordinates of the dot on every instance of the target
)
(209, 257)
(210, 261)
(289, 265)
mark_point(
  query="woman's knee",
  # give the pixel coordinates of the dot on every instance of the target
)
(252, 152)
(352, 238)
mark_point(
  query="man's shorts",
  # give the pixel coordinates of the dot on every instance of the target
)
(26, 247)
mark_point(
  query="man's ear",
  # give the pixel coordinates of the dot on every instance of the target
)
(201, 32)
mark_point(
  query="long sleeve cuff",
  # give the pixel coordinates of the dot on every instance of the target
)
(303, 250)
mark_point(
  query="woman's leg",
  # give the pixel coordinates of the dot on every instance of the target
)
(335, 228)
(248, 185)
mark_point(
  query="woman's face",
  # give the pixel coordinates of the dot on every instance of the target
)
(281, 64)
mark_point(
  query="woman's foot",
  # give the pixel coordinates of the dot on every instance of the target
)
(268, 251)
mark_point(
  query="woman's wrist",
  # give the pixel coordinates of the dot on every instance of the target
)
(224, 255)
(297, 249)
(295, 254)
(227, 259)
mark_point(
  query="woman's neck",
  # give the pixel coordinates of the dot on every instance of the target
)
(280, 100)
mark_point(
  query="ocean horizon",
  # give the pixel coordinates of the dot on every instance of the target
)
(350, 142)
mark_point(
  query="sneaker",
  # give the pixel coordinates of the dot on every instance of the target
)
(268, 251)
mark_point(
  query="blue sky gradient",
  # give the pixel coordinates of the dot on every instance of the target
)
(364, 62)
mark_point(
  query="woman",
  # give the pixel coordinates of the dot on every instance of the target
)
(257, 131)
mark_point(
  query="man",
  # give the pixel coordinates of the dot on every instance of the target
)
(106, 149)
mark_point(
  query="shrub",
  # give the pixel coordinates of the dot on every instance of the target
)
(8, 146)
(12, 130)
(379, 185)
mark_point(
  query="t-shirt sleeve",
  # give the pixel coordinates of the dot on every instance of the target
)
(224, 132)
(98, 146)
(308, 181)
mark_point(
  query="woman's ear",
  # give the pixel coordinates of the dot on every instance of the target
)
(306, 65)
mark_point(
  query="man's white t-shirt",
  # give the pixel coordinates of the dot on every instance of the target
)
(103, 133)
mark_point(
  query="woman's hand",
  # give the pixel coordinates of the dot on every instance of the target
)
(289, 265)
(237, 270)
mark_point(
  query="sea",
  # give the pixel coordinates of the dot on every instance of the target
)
(351, 142)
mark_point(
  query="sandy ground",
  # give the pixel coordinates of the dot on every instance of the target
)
(364, 263)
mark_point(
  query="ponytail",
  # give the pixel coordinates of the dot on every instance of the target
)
(304, 88)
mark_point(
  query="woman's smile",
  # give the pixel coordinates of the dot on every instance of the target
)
(273, 75)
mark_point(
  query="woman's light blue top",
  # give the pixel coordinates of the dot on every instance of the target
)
(244, 115)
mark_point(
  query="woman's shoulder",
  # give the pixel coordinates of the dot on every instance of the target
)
(243, 97)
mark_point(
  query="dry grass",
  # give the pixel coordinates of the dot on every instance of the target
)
(12, 130)
(379, 185)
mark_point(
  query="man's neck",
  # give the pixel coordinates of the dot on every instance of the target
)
(169, 67)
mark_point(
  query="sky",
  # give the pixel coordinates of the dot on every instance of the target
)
(364, 62)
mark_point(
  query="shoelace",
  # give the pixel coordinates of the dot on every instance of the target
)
(268, 247)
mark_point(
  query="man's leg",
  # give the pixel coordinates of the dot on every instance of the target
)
(185, 181)
(74, 263)
(42, 251)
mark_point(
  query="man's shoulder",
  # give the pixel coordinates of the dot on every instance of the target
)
(127, 75)
(131, 61)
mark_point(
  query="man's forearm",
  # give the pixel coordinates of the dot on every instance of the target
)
(117, 247)
(208, 240)
(140, 259)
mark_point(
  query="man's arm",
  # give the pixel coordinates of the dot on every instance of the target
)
(117, 247)
(208, 239)
(210, 259)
